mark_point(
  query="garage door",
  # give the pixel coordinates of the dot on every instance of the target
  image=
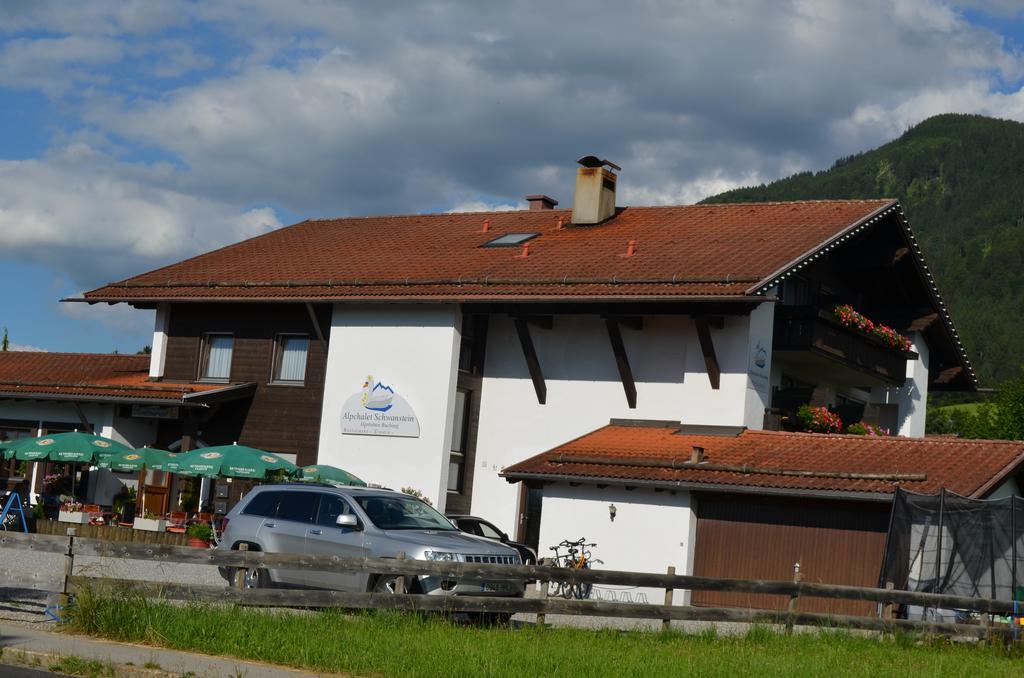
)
(761, 538)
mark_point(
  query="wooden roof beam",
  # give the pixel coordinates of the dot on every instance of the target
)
(707, 347)
(622, 360)
(532, 362)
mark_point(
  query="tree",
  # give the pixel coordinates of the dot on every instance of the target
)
(5, 344)
(145, 350)
(1009, 409)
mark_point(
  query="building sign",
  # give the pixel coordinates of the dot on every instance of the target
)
(759, 368)
(155, 411)
(377, 410)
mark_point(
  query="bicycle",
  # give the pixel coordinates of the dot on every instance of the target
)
(577, 556)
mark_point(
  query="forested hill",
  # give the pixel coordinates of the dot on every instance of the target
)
(960, 179)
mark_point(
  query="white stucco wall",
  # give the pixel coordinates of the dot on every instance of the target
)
(584, 390)
(414, 349)
(1008, 488)
(651, 531)
(912, 397)
(158, 349)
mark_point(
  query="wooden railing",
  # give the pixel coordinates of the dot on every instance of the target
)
(72, 546)
(805, 328)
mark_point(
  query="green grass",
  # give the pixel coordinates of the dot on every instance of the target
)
(410, 645)
(78, 666)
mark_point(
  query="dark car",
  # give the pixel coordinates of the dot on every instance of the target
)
(482, 528)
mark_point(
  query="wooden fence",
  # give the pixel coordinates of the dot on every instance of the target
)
(111, 533)
(71, 546)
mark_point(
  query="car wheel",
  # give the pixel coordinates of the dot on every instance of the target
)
(256, 578)
(385, 584)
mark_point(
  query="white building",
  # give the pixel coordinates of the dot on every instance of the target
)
(433, 351)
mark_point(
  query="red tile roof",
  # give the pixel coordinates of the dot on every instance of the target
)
(87, 376)
(682, 251)
(968, 467)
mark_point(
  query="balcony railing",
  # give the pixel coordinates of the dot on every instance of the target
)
(805, 328)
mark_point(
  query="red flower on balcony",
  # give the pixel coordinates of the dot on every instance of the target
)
(850, 318)
(819, 419)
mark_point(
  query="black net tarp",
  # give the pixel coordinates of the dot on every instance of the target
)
(945, 543)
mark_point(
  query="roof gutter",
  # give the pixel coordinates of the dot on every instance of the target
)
(728, 468)
(121, 400)
(429, 299)
(881, 497)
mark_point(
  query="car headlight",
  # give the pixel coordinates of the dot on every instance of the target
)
(443, 556)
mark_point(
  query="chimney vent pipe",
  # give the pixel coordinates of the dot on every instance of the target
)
(594, 199)
(541, 202)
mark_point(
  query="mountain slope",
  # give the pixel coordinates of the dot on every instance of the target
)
(960, 179)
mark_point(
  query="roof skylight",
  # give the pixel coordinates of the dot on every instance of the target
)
(510, 240)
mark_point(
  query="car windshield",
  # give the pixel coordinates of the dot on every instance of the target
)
(401, 513)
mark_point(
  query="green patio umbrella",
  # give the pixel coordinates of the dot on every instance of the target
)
(75, 447)
(234, 461)
(330, 474)
(134, 460)
(162, 460)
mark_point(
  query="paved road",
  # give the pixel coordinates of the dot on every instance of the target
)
(20, 672)
(44, 643)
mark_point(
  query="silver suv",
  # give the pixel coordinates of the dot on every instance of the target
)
(355, 522)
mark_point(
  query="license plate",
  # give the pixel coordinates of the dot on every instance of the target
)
(496, 587)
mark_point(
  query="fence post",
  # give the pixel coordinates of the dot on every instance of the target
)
(400, 579)
(240, 572)
(887, 608)
(69, 567)
(666, 624)
(541, 616)
(792, 599)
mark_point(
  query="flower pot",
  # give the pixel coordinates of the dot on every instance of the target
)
(198, 543)
(150, 524)
(76, 517)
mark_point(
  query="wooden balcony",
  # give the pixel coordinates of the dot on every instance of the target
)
(818, 335)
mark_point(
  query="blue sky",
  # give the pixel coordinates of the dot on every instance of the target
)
(136, 134)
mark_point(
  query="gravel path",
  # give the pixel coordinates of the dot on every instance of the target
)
(26, 606)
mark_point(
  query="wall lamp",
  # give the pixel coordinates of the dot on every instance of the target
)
(612, 511)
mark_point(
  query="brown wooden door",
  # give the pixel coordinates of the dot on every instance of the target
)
(761, 538)
(155, 500)
(157, 491)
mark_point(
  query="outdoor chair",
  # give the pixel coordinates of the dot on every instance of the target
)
(95, 514)
(177, 522)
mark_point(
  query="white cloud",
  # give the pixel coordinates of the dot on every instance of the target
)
(25, 348)
(376, 110)
(98, 219)
(120, 317)
(53, 64)
(482, 206)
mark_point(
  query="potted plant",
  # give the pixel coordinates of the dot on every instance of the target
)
(71, 512)
(199, 534)
(150, 522)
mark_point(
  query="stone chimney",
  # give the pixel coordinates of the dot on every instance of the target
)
(594, 200)
(541, 202)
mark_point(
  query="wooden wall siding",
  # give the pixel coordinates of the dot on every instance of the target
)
(754, 538)
(278, 418)
(460, 503)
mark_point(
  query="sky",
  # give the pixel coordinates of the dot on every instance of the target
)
(135, 134)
